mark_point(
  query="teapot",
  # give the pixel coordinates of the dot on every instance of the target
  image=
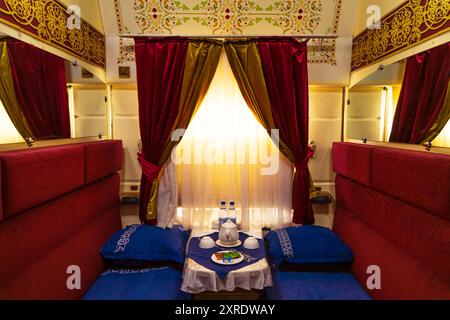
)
(228, 233)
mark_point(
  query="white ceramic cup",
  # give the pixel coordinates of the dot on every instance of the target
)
(251, 243)
(206, 243)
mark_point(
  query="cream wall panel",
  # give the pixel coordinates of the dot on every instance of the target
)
(126, 128)
(364, 113)
(90, 101)
(359, 129)
(323, 133)
(90, 109)
(90, 126)
(395, 95)
(364, 104)
(125, 102)
(390, 112)
(325, 104)
(325, 121)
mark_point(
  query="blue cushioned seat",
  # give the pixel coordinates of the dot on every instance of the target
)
(143, 284)
(315, 286)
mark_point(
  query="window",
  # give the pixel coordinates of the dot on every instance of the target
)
(226, 154)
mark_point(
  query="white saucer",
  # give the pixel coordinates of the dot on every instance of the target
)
(228, 245)
(234, 261)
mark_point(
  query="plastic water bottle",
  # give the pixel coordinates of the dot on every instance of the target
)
(222, 213)
(232, 212)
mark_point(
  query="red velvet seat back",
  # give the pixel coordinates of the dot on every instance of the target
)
(30, 178)
(419, 178)
(394, 212)
(59, 208)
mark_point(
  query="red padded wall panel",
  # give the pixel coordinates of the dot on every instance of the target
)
(31, 177)
(346, 193)
(419, 178)
(353, 161)
(46, 278)
(53, 219)
(102, 159)
(402, 277)
(30, 235)
(399, 221)
(420, 234)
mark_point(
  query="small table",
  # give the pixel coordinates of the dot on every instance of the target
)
(206, 284)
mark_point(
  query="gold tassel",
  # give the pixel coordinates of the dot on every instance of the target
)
(152, 206)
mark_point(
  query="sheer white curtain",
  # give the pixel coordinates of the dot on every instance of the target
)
(8, 133)
(443, 139)
(225, 154)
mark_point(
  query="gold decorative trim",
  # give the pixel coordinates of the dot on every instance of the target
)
(412, 23)
(46, 20)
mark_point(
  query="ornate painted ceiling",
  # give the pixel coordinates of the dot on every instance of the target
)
(223, 17)
(271, 17)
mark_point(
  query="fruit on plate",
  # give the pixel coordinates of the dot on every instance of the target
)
(227, 255)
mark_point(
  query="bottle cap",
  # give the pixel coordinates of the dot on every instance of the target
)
(231, 203)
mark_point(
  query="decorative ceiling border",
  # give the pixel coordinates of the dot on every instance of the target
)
(410, 24)
(126, 45)
(46, 20)
(287, 15)
(324, 50)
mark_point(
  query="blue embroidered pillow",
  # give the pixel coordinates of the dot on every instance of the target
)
(307, 245)
(145, 244)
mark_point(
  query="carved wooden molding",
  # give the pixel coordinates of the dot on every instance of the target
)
(47, 20)
(413, 22)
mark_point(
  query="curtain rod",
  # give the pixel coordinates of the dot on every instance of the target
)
(233, 36)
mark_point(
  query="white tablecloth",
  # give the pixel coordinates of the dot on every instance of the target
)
(197, 278)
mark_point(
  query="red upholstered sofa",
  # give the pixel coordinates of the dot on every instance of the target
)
(393, 209)
(58, 205)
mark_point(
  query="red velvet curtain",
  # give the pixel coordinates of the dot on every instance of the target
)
(41, 88)
(160, 69)
(422, 96)
(284, 62)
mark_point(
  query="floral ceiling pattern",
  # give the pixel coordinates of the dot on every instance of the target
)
(281, 17)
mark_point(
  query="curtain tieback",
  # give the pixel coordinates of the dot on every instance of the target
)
(149, 169)
(303, 165)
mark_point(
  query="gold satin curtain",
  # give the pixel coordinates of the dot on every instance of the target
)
(245, 62)
(441, 120)
(201, 63)
(246, 65)
(8, 94)
(200, 66)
